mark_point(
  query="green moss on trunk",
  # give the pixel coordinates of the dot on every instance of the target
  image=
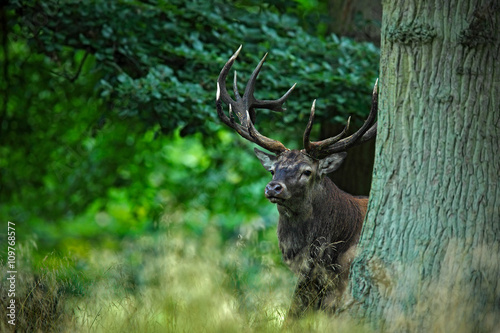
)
(429, 256)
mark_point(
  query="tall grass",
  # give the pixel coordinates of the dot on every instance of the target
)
(170, 281)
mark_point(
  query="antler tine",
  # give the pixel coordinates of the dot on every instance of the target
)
(229, 121)
(333, 145)
(250, 88)
(307, 132)
(314, 148)
(223, 95)
(235, 86)
(221, 81)
(365, 133)
(274, 105)
(244, 106)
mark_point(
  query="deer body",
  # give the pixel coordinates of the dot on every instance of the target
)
(319, 225)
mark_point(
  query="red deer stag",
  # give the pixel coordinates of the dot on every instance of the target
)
(319, 224)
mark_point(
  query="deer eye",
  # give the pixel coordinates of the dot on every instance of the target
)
(307, 173)
(272, 172)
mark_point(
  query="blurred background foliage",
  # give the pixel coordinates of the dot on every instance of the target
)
(108, 123)
(108, 109)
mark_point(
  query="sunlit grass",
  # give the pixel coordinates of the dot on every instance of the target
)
(167, 281)
(175, 280)
(174, 283)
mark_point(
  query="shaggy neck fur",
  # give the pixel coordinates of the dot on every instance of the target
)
(324, 230)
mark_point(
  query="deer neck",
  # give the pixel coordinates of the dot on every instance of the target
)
(332, 216)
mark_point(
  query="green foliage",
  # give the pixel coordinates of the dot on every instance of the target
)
(160, 60)
(89, 85)
(312, 15)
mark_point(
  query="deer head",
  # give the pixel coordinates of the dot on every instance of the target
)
(297, 174)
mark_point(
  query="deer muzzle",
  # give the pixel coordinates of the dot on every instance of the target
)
(276, 192)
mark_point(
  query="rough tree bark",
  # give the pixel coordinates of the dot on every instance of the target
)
(429, 256)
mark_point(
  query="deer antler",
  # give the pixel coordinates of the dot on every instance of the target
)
(321, 149)
(245, 106)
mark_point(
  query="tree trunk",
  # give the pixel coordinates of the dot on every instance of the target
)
(429, 255)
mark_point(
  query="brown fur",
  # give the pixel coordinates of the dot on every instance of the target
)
(324, 261)
(319, 227)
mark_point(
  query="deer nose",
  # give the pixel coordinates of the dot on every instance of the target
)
(274, 189)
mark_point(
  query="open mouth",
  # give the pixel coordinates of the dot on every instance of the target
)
(275, 200)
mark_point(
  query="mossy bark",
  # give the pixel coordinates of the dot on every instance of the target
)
(429, 255)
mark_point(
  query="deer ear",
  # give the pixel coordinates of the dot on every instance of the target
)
(331, 163)
(266, 159)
